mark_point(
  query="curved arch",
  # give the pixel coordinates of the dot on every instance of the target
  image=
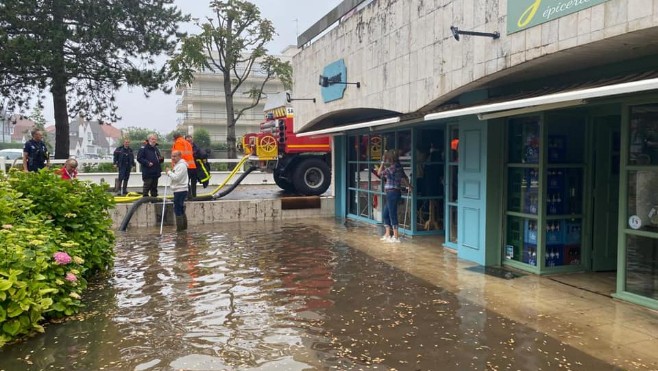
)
(347, 116)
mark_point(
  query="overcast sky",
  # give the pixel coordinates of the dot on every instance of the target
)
(158, 112)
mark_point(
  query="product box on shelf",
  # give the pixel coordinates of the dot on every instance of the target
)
(555, 203)
(555, 179)
(572, 232)
(530, 254)
(554, 232)
(572, 254)
(530, 231)
(512, 252)
(554, 255)
(557, 148)
(530, 203)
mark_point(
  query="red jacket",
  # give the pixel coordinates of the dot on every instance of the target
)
(66, 175)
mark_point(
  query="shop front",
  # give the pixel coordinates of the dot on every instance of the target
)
(550, 190)
(422, 155)
(581, 194)
(638, 221)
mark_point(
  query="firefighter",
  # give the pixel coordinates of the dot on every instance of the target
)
(202, 165)
(124, 160)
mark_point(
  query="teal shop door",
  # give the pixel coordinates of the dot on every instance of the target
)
(606, 193)
(472, 190)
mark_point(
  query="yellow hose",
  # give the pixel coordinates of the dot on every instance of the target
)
(133, 196)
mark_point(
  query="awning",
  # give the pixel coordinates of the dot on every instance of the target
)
(340, 130)
(559, 97)
(545, 102)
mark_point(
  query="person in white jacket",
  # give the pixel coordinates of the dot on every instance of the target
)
(178, 176)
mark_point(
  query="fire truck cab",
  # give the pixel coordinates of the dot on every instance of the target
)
(299, 165)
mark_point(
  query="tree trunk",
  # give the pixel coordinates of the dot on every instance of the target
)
(61, 119)
(59, 82)
(230, 118)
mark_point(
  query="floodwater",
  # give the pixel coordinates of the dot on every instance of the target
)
(278, 296)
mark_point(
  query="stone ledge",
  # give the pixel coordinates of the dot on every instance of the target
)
(209, 212)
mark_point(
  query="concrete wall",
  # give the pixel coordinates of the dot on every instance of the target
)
(405, 56)
(209, 212)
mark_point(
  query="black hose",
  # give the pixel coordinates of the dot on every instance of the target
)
(143, 200)
(133, 208)
(237, 182)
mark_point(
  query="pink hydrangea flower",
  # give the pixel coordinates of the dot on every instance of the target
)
(71, 277)
(62, 257)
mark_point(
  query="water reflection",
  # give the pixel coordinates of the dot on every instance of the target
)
(290, 296)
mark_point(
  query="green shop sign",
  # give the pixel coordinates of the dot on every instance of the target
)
(522, 14)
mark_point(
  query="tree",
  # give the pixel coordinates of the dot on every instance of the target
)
(139, 135)
(201, 138)
(232, 45)
(82, 52)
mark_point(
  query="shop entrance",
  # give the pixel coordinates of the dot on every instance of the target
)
(605, 193)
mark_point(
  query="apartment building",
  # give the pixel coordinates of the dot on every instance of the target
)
(203, 104)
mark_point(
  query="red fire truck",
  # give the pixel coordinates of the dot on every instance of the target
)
(299, 165)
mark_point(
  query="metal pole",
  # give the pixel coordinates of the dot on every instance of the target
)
(164, 201)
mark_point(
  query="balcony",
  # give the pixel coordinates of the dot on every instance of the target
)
(217, 119)
(216, 96)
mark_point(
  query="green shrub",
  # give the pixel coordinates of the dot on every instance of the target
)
(218, 166)
(53, 235)
(105, 167)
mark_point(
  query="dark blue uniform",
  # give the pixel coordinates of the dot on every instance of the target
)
(149, 158)
(37, 154)
(124, 159)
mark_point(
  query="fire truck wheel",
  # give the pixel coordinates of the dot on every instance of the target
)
(283, 183)
(312, 177)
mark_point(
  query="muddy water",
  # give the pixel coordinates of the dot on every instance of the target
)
(278, 297)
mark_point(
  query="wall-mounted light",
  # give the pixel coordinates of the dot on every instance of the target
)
(290, 99)
(456, 32)
(325, 81)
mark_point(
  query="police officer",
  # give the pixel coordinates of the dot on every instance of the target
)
(124, 160)
(35, 153)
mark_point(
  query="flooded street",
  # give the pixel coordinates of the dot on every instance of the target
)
(279, 296)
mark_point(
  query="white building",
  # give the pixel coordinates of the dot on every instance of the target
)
(202, 104)
(89, 139)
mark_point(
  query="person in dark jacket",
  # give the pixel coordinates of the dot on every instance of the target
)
(124, 160)
(149, 158)
(35, 153)
(202, 165)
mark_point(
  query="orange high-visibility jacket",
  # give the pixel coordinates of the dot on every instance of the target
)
(185, 149)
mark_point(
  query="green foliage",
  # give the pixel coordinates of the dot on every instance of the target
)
(217, 146)
(44, 215)
(202, 138)
(98, 167)
(232, 45)
(138, 135)
(219, 166)
(82, 52)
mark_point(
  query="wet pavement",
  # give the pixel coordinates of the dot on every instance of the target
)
(318, 295)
